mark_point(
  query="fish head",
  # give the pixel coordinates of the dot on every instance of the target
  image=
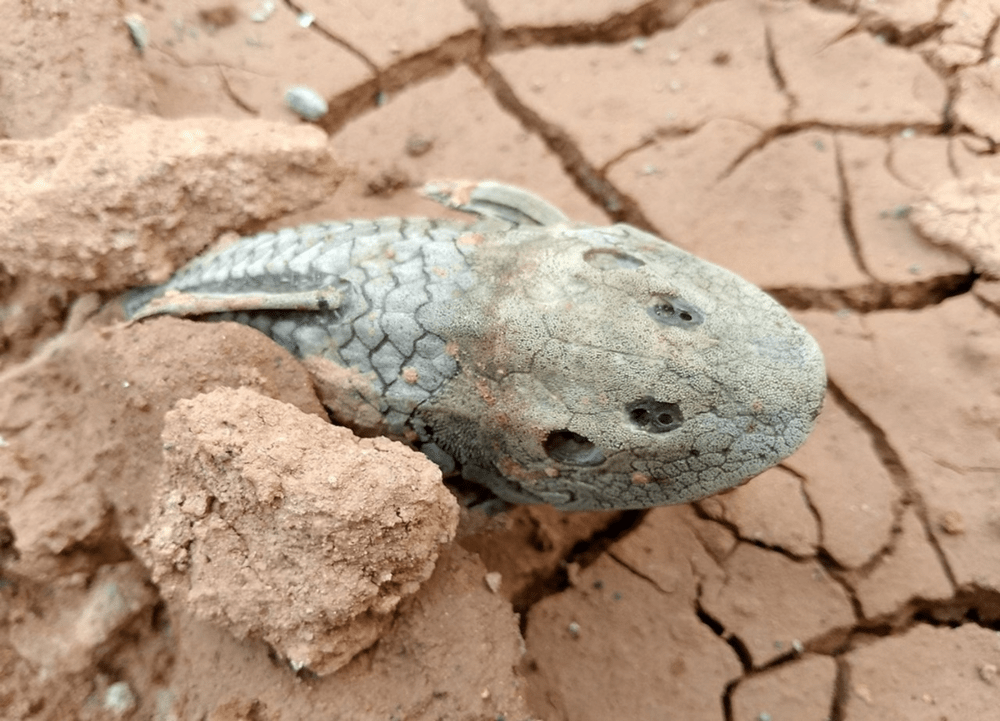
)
(611, 369)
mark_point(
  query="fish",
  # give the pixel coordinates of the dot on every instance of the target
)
(547, 361)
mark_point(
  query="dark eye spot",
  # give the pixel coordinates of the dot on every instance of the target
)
(565, 446)
(611, 258)
(655, 416)
(675, 312)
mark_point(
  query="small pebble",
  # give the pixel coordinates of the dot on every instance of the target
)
(493, 580)
(306, 102)
(952, 523)
(574, 629)
(864, 693)
(119, 699)
(988, 673)
(897, 213)
(137, 29)
(306, 19)
(417, 145)
(573, 573)
(639, 44)
(263, 11)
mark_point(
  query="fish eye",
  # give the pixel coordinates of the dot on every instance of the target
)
(571, 448)
(655, 416)
(675, 312)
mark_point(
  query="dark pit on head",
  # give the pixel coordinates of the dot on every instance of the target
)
(571, 448)
(655, 416)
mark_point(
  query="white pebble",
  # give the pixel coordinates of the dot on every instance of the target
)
(306, 102)
(263, 11)
(119, 699)
(137, 29)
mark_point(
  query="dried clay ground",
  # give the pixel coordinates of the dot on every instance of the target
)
(193, 564)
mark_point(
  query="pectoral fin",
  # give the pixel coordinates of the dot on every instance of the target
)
(187, 303)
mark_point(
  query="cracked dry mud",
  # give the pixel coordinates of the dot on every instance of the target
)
(784, 140)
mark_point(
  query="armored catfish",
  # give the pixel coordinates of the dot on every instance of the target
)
(552, 362)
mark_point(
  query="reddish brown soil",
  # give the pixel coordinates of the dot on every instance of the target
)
(181, 537)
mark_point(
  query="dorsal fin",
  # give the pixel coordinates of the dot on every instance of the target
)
(491, 199)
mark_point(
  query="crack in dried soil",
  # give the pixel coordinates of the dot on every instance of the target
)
(893, 463)
(233, 95)
(583, 553)
(769, 135)
(639, 22)
(876, 296)
(846, 211)
(333, 37)
(807, 499)
(587, 178)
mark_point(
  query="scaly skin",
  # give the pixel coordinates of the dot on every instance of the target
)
(556, 363)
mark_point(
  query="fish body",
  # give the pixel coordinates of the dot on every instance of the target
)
(552, 362)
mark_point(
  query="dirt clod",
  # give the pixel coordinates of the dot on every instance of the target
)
(276, 525)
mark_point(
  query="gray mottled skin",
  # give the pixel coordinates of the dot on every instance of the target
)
(557, 363)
